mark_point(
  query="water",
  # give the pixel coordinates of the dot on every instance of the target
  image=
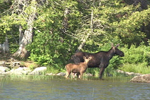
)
(68, 89)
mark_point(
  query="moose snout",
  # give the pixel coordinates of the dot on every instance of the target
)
(122, 54)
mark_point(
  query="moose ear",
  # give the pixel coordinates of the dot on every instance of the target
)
(117, 45)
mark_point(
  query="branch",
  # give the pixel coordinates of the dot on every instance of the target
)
(88, 34)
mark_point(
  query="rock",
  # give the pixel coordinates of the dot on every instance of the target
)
(4, 69)
(61, 74)
(15, 64)
(38, 71)
(19, 71)
(137, 74)
(2, 62)
(50, 74)
(128, 73)
(120, 71)
(89, 74)
(141, 78)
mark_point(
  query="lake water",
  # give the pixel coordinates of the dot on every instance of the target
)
(72, 89)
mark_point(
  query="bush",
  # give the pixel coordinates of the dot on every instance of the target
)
(136, 59)
(136, 68)
(135, 55)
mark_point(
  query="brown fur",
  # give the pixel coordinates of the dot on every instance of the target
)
(77, 68)
(100, 59)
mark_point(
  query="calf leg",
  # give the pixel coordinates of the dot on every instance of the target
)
(101, 72)
(78, 75)
(67, 74)
(73, 75)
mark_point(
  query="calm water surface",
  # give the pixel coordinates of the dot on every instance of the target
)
(67, 89)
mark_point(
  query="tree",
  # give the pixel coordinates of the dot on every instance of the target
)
(130, 24)
(27, 10)
(4, 5)
(52, 30)
(50, 44)
(21, 14)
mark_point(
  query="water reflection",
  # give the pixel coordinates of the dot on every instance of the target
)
(63, 89)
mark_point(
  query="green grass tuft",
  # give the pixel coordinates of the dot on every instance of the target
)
(136, 68)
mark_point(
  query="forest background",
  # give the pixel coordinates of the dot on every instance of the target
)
(48, 32)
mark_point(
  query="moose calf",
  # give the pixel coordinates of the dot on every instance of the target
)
(77, 68)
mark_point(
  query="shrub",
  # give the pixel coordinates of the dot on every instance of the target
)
(136, 59)
(135, 55)
(136, 68)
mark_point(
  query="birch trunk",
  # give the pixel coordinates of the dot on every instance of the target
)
(88, 34)
(4, 48)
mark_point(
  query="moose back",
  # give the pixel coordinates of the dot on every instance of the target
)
(99, 59)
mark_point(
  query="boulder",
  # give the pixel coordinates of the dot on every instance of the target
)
(61, 74)
(128, 73)
(19, 71)
(38, 71)
(141, 78)
(15, 64)
(50, 74)
(2, 62)
(4, 69)
(89, 74)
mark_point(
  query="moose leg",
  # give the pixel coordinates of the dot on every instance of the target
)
(101, 72)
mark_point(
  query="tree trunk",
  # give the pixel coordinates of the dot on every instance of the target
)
(65, 20)
(25, 37)
(4, 48)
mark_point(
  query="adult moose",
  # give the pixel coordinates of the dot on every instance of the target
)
(99, 59)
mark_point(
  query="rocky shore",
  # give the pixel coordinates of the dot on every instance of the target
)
(145, 78)
(140, 78)
(14, 67)
(25, 71)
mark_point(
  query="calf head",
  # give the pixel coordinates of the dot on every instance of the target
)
(87, 59)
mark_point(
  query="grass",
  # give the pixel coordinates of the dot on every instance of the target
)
(26, 77)
(48, 78)
(136, 68)
(30, 64)
(93, 71)
(54, 70)
(127, 67)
